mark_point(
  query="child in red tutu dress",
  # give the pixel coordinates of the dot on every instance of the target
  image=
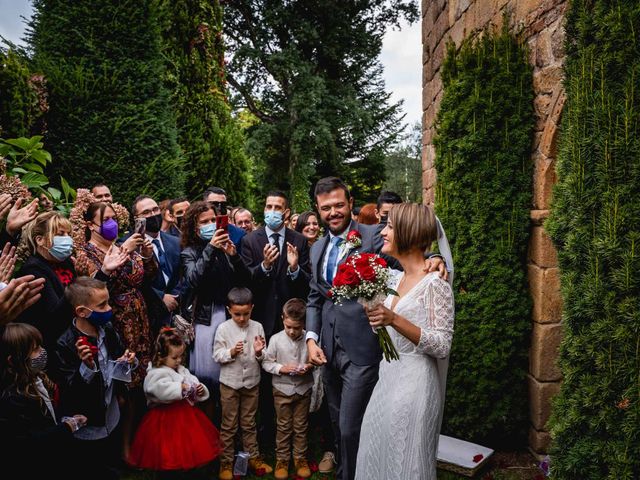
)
(174, 434)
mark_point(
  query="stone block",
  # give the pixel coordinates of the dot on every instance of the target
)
(428, 196)
(535, 143)
(441, 26)
(544, 285)
(431, 90)
(541, 249)
(543, 51)
(429, 178)
(539, 216)
(539, 441)
(461, 7)
(557, 103)
(544, 178)
(543, 356)
(546, 79)
(457, 32)
(557, 39)
(540, 396)
(541, 106)
(484, 12)
(427, 159)
(549, 141)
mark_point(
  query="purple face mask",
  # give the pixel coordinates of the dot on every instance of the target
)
(109, 229)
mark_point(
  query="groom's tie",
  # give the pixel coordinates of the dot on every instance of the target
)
(333, 258)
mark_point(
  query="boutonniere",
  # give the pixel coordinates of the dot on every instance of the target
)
(354, 240)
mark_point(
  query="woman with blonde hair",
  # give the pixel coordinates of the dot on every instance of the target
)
(49, 245)
(401, 425)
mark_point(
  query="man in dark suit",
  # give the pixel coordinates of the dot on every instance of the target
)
(167, 284)
(349, 349)
(278, 259)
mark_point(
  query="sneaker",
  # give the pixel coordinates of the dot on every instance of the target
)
(226, 471)
(302, 467)
(282, 470)
(257, 464)
(328, 463)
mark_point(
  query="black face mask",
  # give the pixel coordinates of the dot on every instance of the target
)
(179, 221)
(154, 222)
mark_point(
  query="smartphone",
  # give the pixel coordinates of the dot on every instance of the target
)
(222, 222)
(140, 226)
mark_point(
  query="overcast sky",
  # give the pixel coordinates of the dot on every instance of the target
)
(401, 55)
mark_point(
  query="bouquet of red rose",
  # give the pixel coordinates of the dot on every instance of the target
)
(364, 276)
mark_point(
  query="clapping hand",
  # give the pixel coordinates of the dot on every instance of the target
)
(292, 257)
(7, 262)
(238, 349)
(114, 259)
(5, 205)
(258, 344)
(270, 254)
(19, 217)
(19, 295)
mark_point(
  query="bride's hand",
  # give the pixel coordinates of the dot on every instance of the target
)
(380, 316)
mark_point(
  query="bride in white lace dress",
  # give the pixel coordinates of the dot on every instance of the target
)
(401, 424)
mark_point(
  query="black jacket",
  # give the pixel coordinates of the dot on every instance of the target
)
(76, 395)
(32, 442)
(210, 274)
(272, 290)
(52, 314)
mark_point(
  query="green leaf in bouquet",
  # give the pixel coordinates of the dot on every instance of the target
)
(55, 193)
(32, 180)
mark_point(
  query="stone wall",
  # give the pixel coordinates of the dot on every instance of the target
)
(541, 24)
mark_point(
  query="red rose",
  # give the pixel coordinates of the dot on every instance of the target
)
(362, 261)
(347, 275)
(380, 261)
(353, 234)
(368, 273)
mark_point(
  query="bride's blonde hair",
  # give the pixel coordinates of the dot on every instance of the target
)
(414, 226)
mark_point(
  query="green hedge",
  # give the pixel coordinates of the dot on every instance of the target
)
(595, 224)
(110, 118)
(483, 197)
(20, 104)
(209, 136)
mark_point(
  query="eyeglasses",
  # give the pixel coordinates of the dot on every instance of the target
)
(147, 212)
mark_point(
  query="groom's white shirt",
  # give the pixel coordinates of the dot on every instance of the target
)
(325, 261)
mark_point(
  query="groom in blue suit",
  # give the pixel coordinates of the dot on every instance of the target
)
(350, 352)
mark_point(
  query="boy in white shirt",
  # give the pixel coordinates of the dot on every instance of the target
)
(286, 359)
(238, 347)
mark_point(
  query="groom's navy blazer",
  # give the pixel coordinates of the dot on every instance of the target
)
(345, 323)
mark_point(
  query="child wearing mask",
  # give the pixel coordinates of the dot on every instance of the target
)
(93, 363)
(29, 424)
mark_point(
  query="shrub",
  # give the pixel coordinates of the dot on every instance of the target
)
(483, 197)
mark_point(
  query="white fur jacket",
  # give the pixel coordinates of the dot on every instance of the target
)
(164, 384)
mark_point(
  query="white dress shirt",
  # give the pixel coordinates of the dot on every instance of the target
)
(244, 369)
(284, 350)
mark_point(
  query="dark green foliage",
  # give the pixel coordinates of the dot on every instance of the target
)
(210, 138)
(595, 224)
(483, 198)
(20, 105)
(110, 119)
(309, 71)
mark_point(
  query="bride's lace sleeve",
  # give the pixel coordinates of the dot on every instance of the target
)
(435, 340)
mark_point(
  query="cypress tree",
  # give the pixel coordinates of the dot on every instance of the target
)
(110, 119)
(209, 136)
(483, 197)
(595, 224)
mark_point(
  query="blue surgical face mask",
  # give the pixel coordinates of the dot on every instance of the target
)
(207, 231)
(99, 319)
(273, 219)
(62, 247)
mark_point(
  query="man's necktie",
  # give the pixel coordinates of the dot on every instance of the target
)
(333, 258)
(276, 240)
(162, 258)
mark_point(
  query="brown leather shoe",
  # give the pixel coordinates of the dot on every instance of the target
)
(258, 464)
(226, 471)
(282, 470)
(302, 467)
(328, 463)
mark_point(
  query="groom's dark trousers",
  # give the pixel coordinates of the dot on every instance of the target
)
(348, 388)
